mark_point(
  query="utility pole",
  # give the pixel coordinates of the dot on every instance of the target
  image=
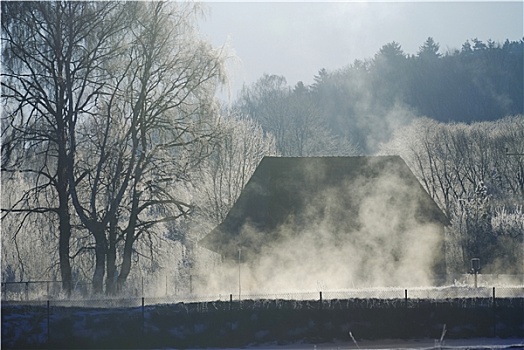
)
(239, 285)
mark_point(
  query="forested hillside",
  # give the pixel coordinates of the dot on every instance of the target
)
(364, 102)
(117, 157)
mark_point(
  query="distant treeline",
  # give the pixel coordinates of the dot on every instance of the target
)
(365, 101)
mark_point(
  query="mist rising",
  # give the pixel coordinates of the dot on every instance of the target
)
(331, 223)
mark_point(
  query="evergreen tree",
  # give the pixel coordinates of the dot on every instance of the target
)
(429, 50)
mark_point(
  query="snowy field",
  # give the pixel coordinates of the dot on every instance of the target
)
(418, 344)
(439, 318)
(436, 325)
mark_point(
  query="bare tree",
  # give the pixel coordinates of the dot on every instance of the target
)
(292, 117)
(52, 52)
(470, 172)
(107, 106)
(222, 176)
(28, 241)
(153, 125)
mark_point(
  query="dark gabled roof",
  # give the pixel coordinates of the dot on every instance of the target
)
(294, 191)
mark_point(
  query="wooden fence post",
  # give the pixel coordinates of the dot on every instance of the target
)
(48, 325)
(494, 303)
(406, 316)
(143, 318)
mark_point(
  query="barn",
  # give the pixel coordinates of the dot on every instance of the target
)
(364, 219)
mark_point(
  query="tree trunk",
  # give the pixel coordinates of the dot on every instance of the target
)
(63, 248)
(64, 219)
(100, 261)
(111, 260)
(126, 260)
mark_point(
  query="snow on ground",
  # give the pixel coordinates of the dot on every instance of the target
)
(31, 321)
(417, 344)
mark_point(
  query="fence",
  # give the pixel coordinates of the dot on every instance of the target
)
(51, 290)
(194, 321)
(40, 290)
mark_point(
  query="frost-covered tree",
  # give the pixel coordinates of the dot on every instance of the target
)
(52, 53)
(470, 172)
(222, 176)
(154, 123)
(29, 241)
(107, 106)
(292, 117)
(215, 184)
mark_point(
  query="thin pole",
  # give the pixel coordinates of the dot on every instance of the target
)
(406, 316)
(48, 324)
(494, 314)
(239, 285)
(143, 317)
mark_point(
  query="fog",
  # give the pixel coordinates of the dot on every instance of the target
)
(357, 233)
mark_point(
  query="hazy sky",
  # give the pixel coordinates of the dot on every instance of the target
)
(297, 39)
